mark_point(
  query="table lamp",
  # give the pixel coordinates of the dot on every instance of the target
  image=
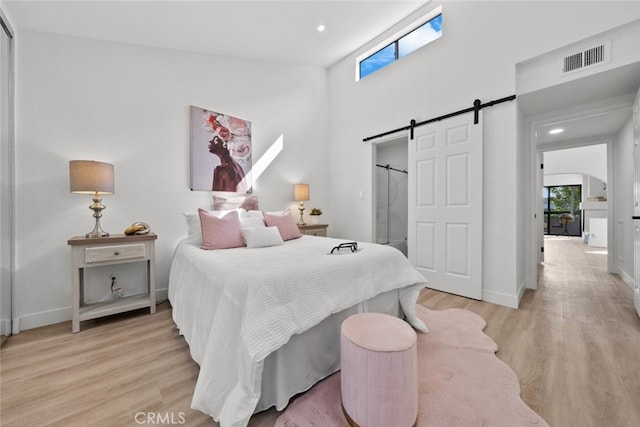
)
(91, 177)
(301, 194)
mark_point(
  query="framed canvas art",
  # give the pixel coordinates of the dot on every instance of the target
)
(220, 152)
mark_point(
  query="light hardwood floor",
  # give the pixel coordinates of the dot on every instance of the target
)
(574, 343)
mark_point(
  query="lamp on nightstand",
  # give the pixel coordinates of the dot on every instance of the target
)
(91, 177)
(301, 194)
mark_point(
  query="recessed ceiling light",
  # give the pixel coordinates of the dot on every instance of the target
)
(321, 28)
(556, 131)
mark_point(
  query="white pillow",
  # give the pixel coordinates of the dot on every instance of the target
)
(260, 237)
(252, 222)
(194, 231)
(252, 214)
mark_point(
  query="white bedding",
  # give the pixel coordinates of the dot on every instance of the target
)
(236, 306)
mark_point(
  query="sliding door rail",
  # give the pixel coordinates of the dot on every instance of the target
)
(477, 106)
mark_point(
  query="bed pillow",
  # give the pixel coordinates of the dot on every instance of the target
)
(249, 219)
(252, 222)
(194, 229)
(262, 237)
(245, 202)
(220, 233)
(285, 222)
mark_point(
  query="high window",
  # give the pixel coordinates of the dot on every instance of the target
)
(411, 38)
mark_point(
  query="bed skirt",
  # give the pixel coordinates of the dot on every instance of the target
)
(313, 355)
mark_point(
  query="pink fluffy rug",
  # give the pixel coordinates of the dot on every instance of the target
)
(462, 382)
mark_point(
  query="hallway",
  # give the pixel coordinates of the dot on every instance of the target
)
(574, 342)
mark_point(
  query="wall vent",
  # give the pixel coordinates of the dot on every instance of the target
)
(572, 62)
(586, 58)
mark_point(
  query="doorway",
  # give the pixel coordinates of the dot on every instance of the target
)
(574, 186)
(581, 159)
(391, 193)
(575, 193)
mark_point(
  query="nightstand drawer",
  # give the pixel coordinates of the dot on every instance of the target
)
(316, 232)
(314, 229)
(110, 253)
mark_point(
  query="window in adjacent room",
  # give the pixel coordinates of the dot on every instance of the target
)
(409, 39)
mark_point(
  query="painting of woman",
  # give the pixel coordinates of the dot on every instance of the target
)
(230, 144)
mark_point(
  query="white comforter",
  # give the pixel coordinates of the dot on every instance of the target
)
(236, 306)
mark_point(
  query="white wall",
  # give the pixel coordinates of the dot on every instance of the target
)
(623, 170)
(129, 105)
(586, 160)
(563, 179)
(475, 58)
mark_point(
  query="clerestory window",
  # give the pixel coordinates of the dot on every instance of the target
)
(411, 38)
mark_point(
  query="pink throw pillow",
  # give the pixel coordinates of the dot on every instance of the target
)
(285, 222)
(220, 233)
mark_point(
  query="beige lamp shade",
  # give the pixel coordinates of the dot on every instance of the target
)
(89, 177)
(300, 192)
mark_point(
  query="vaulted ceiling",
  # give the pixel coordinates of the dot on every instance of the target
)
(282, 31)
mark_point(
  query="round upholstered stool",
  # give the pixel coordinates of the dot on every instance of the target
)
(379, 378)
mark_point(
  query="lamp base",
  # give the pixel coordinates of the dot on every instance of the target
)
(95, 235)
(97, 208)
(301, 209)
(97, 231)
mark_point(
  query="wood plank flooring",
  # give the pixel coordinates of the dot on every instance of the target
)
(574, 343)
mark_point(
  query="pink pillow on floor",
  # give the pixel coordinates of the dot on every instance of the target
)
(220, 233)
(285, 222)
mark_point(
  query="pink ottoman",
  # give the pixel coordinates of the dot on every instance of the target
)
(379, 378)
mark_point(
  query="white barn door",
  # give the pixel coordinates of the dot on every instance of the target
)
(445, 204)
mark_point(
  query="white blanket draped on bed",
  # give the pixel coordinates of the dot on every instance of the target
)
(236, 306)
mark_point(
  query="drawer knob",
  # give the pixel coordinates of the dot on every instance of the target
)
(116, 253)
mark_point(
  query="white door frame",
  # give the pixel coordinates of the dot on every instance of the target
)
(9, 323)
(535, 193)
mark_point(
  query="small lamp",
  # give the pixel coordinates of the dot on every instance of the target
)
(301, 194)
(91, 177)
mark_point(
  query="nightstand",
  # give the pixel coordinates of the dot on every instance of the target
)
(116, 249)
(314, 229)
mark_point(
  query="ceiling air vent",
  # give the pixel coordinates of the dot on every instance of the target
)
(586, 58)
(572, 62)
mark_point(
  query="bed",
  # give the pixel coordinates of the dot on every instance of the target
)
(263, 322)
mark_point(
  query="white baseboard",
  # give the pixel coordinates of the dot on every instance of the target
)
(50, 317)
(43, 318)
(500, 298)
(524, 285)
(630, 281)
